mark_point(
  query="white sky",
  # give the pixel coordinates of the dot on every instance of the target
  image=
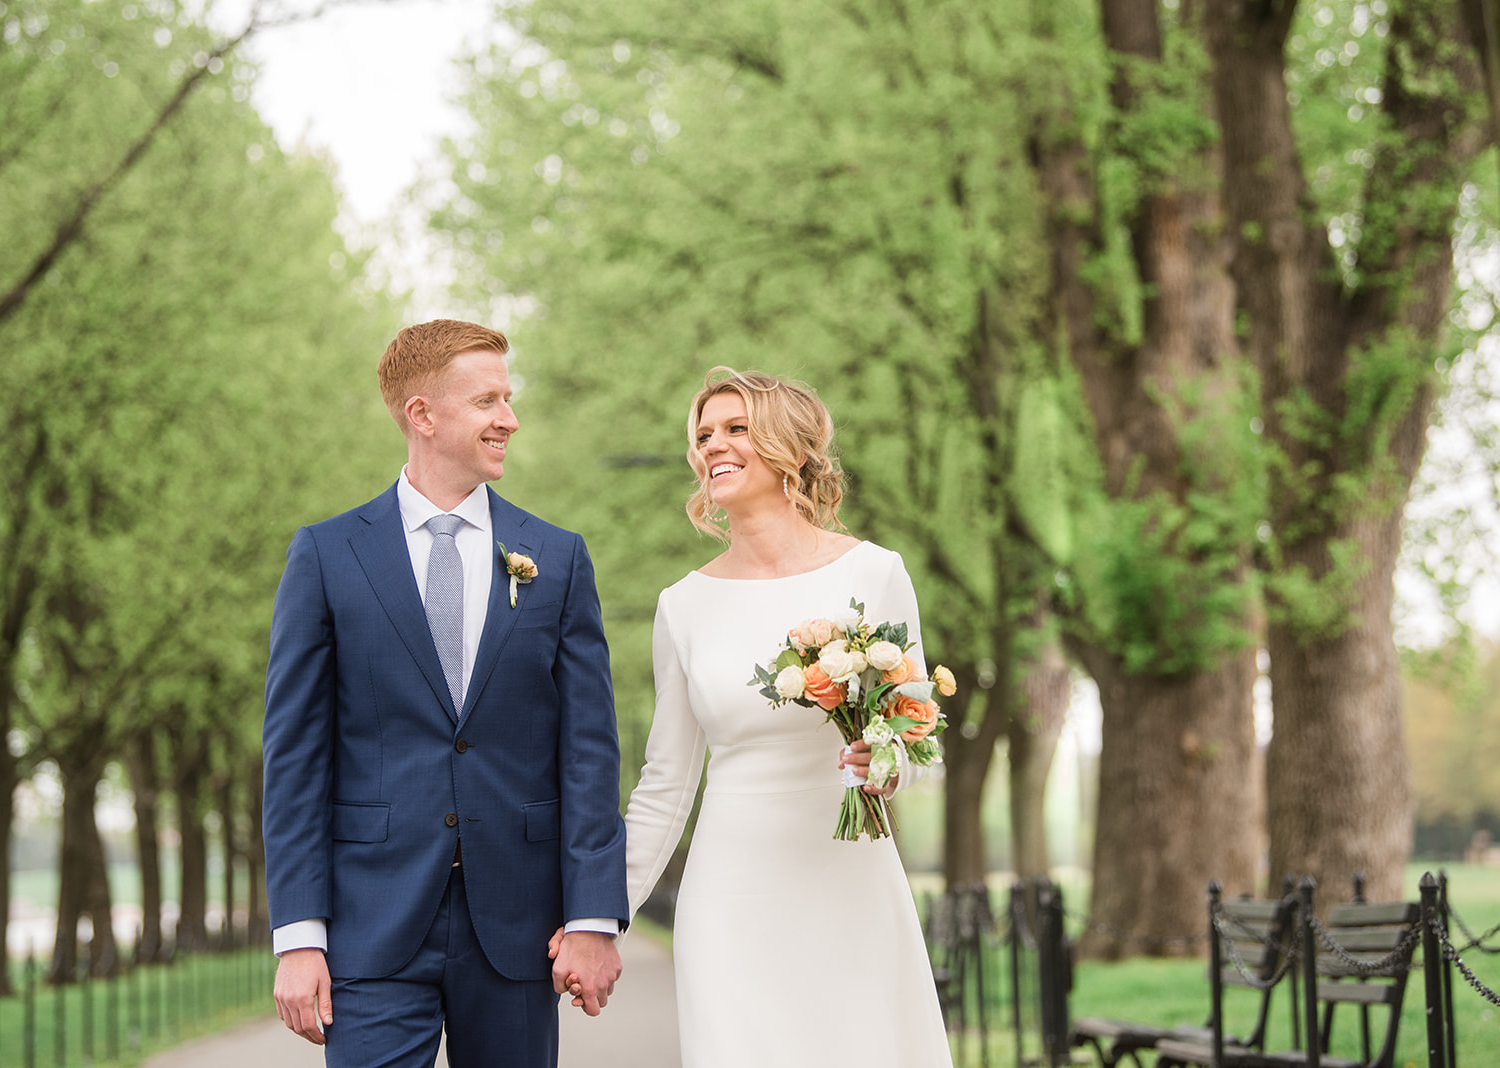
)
(366, 83)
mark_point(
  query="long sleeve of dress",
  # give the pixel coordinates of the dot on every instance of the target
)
(900, 604)
(660, 803)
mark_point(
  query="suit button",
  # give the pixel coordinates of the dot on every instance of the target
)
(451, 819)
(462, 746)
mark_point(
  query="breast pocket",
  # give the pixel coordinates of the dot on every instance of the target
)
(533, 616)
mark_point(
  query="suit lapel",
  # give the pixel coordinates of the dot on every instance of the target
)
(385, 559)
(507, 523)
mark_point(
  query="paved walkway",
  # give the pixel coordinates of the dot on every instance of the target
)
(637, 1030)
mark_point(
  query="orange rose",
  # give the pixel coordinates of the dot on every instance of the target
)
(906, 671)
(823, 690)
(923, 714)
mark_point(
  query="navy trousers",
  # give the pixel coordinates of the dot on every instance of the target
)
(397, 1021)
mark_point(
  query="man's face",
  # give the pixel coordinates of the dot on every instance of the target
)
(472, 419)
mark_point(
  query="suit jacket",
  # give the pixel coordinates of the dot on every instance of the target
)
(372, 777)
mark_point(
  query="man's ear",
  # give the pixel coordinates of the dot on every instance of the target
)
(418, 412)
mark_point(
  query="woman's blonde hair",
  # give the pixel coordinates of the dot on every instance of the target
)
(790, 429)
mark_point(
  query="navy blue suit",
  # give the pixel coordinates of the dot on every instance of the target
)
(373, 778)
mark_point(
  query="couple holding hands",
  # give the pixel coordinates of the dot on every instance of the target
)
(443, 841)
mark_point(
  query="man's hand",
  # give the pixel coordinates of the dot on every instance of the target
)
(858, 758)
(586, 965)
(304, 993)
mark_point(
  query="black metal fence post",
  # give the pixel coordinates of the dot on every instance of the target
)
(1452, 1039)
(1432, 968)
(60, 1025)
(28, 1011)
(1215, 971)
(112, 1010)
(1310, 972)
(1017, 925)
(86, 999)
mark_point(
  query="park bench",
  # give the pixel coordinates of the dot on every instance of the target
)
(1257, 938)
(1360, 958)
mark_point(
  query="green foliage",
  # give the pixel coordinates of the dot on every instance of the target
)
(1170, 591)
(192, 377)
(824, 193)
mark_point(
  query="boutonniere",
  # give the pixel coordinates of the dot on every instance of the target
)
(520, 568)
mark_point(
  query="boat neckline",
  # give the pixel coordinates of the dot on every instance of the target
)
(800, 574)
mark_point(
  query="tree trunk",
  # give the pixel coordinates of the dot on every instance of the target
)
(8, 781)
(1356, 352)
(1177, 737)
(231, 850)
(966, 768)
(192, 920)
(83, 875)
(1033, 735)
(146, 784)
(968, 752)
(1174, 805)
(258, 927)
(1337, 775)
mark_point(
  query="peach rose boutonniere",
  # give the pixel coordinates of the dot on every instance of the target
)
(871, 687)
(520, 568)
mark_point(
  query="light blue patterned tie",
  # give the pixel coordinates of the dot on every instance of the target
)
(445, 602)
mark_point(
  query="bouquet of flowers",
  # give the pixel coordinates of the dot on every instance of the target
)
(864, 679)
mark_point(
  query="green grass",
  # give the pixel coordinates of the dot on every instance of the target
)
(1172, 992)
(152, 1008)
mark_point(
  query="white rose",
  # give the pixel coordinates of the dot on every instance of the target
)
(790, 684)
(883, 655)
(837, 661)
(847, 620)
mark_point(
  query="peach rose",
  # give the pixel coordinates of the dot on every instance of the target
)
(923, 714)
(826, 693)
(811, 632)
(947, 685)
(906, 671)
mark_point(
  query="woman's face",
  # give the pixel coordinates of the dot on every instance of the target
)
(732, 471)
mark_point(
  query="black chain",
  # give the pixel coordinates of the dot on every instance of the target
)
(1287, 953)
(1451, 953)
(1475, 943)
(1399, 955)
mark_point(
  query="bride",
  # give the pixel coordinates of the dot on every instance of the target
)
(790, 948)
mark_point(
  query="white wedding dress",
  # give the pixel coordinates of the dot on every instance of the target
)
(791, 949)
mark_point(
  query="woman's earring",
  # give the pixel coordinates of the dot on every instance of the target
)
(786, 487)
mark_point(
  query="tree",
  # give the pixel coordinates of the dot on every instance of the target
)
(1344, 317)
(186, 374)
(659, 182)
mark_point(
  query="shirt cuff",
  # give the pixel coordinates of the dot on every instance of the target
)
(603, 926)
(304, 934)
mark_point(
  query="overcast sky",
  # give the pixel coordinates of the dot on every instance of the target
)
(367, 83)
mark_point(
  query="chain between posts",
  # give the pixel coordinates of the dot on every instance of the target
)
(1452, 954)
(1288, 953)
(1407, 944)
(1475, 942)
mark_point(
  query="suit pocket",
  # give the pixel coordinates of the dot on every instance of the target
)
(361, 823)
(539, 615)
(543, 820)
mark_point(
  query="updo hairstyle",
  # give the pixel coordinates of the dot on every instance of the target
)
(790, 429)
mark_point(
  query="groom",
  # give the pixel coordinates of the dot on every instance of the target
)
(441, 764)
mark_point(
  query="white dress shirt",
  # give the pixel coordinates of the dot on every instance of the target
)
(476, 552)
